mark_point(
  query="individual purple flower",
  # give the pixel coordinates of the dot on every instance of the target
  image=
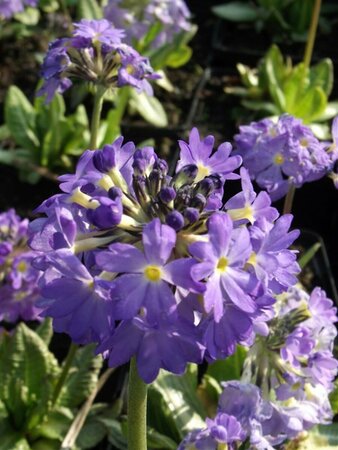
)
(94, 53)
(199, 153)
(144, 283)
(223, 429)
(222, 262)
(93, 31)
(77, 300)
(168, 342)
(247, 205)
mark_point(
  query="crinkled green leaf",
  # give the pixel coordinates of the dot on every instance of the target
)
(179, 57)
(45, 330)
(312, 105)
(92, 433)
(56, 425)
(179, 397)
(82, 377)
(20, 119)
(30, 16)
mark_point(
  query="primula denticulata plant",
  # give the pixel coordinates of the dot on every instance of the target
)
(179, 269)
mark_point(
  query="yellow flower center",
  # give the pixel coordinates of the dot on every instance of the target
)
(152, 273)
(242, 213)
(304, 142)
(22, 267)
(252, 259)
(203, 172)
(222, 264)
(278, 159)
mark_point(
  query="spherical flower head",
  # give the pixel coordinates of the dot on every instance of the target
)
(173, 16)
(9, 8)
(95, 53)
(145, 254)
(282, 154)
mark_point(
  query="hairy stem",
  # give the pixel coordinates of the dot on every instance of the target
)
(137, 410)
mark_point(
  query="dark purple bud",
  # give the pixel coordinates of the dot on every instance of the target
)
(107, 215)
(186, 175)
(114, 193)
(205, 187)
(88, 188)
(144, 159)
(162, 166)
(191, 214)
(216, 179)
(104, 160)
(167, 194)
(198, 202)
(175, 220)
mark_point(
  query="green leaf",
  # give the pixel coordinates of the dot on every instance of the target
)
(20, 118)
(322, 75)
(158, 440)
(30, 16)
(115, 435)
(178, 394)
(45, 330)
(179, 57)
(4, 132)
(56, 425)
(10, 438)
(89, 9)
(149, 108)
(82, 377)
(323, 437)
(294, 87)
(331, 111)
(311, 105)
(236, 12)
(91, 434)
(334, 398)
(27, 372)
(229, 368)
(46, 444)
(304, 260)
(275, 72)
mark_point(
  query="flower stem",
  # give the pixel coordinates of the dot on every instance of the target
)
(137, 410)
(289, 199)
(66, 366)
(95, 122)
(311, 34)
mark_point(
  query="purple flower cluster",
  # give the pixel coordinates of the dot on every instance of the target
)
(18, 278)
(297, 362)
(279, 155)
(9, 8)
(94, 53)
(172, 16)
(157, 266)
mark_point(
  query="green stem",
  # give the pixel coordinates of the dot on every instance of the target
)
(311, 34)
(66, 366)
(289, 199)
(95, 122)
(137, 410)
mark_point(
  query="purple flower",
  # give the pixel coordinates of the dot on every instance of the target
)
(92, 31)
(77, 300)
(128, 250)
(18, 282)
(283, 154)
(172, 15)
(168, 342)
(223, 429)
(146, 278)
(96, 54)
